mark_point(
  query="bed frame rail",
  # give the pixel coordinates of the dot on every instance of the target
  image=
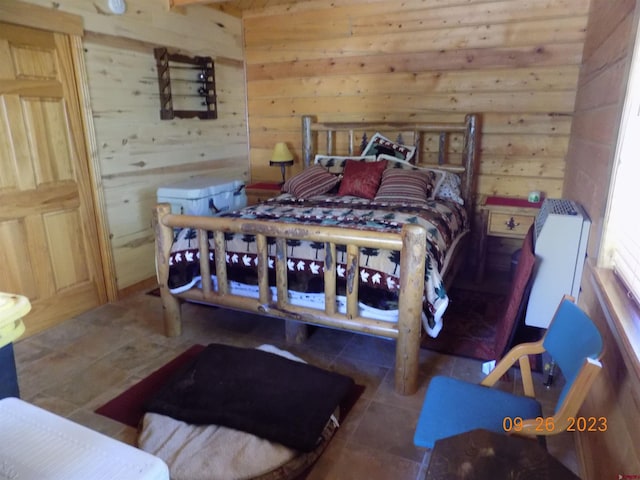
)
(463, 164)
(411, 242)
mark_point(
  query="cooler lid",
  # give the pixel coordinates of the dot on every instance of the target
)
(198, 187)
(227, 186)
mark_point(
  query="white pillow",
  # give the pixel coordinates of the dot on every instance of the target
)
(449, 188)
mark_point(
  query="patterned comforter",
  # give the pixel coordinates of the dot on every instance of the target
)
(379, 269)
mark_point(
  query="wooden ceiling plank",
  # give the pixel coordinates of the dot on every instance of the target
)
(184, 3)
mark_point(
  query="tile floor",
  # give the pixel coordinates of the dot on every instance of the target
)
(79, 365)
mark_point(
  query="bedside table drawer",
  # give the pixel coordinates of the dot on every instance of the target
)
(504, 224)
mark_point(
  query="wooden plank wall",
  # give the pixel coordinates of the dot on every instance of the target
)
(514, 61)
(608, 50)
(137, 152)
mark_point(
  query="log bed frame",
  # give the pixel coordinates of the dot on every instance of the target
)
(411, 242)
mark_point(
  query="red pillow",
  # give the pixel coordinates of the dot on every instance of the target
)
(361, 179)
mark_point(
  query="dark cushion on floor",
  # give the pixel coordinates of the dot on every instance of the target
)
(256, 392)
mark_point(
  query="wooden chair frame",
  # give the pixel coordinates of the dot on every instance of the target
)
(573, 399)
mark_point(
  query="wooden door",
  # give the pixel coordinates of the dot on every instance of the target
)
(49, 248)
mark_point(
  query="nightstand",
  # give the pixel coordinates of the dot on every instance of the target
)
(505, 217)
(259, 192)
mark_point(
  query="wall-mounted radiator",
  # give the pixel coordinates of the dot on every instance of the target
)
(560, 244)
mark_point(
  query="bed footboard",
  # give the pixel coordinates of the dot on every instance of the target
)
(411, 242)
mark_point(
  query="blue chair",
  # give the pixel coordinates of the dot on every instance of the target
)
(454, 406)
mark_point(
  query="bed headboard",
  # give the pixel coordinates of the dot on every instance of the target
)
(447, 146)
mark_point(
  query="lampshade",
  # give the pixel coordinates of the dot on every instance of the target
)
(281, 154)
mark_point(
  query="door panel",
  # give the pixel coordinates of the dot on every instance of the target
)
(68, 263)
(48, 233)
(14, 275)
(48, 143)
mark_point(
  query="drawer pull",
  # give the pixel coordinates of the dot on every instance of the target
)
(511, 224)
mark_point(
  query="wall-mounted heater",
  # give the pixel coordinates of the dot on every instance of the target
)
(560, 244)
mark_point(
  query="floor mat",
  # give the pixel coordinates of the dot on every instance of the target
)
(469, 325)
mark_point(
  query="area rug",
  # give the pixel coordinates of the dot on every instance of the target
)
(469, 325)
(128, 407)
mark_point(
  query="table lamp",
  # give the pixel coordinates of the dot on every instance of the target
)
(281, 156)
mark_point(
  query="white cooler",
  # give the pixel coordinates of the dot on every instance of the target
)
(38, 445)
(203, 196)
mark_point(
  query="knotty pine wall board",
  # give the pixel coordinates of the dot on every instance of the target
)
(196, 29)
(528, 123)
(132, 197)
(512, 80)
(597, 117)
(137, 148)
(515, 62)
(567, 29)
(136, 151)
(610, 37)
(558, 54)
(413, 105)
(609, 20)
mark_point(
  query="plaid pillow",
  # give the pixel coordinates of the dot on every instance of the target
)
(315, 180)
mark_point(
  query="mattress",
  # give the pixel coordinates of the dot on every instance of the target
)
(38, 445)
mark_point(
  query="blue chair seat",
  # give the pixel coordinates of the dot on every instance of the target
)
(453, 406)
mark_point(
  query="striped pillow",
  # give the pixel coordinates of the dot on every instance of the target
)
(405, 186)
(437, 176)
(315, 180)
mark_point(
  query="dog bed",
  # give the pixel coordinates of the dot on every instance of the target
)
(216, 452)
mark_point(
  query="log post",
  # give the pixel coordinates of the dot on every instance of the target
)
(330, 278)
(353, 280)
(470, 154)
(164, 239)
(205, 269)
(412, 269)
(220, 261)
(308, 146)
(294, 332)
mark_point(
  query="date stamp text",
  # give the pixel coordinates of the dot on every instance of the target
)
(547, 424)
